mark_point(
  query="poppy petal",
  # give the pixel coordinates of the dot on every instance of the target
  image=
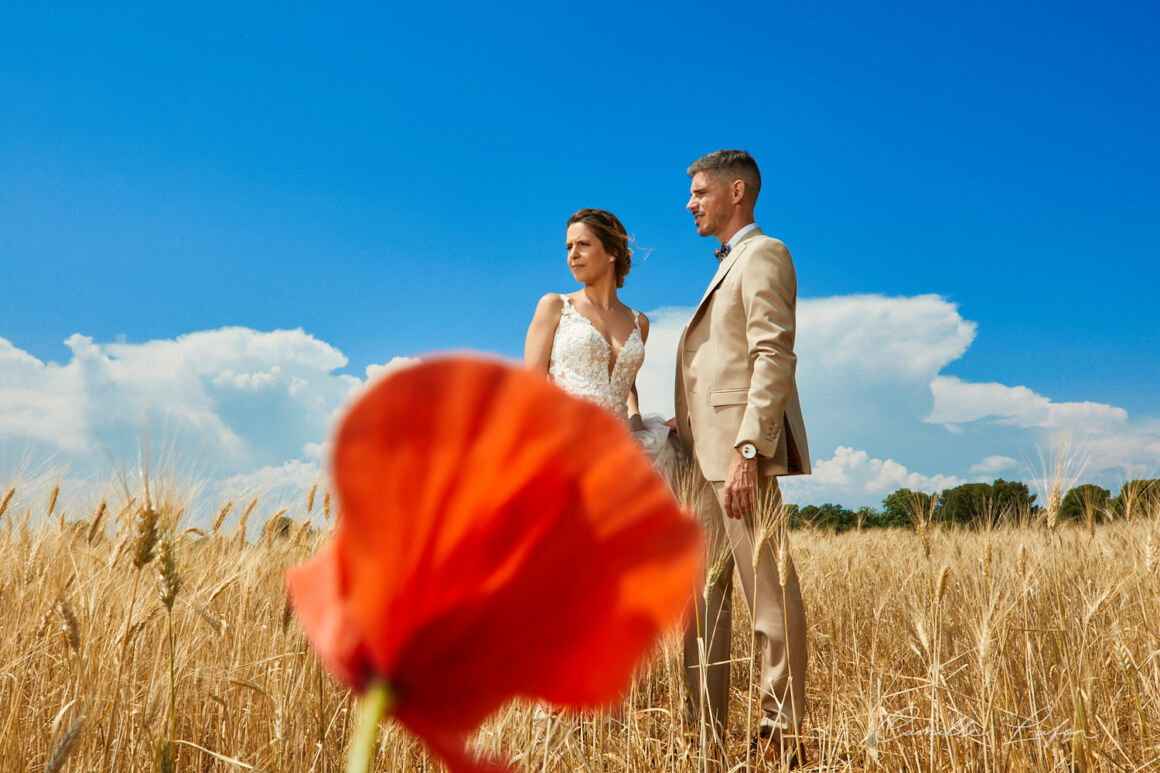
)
(497, 537)
(452, 749)
(314, 589)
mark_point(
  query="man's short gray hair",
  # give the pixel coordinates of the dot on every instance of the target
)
(730, 165)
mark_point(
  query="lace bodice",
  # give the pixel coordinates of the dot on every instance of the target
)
(582, 360)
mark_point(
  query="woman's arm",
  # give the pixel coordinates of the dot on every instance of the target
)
(635, 422)
(538, 344)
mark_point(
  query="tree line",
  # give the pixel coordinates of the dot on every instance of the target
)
(984, 504)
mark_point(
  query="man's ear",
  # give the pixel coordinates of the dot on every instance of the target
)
(737, 191)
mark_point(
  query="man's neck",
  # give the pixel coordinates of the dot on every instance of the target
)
(733, 228)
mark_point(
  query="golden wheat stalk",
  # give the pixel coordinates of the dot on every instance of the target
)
(168, 578)
(241, 533)
(209, 619)
(98, 519)
(944, 576)
(146, 541)
(1053, 505)
(987, 558)
(7, 498)
(275, 526)
(64, 747)
(52, 500)
(125, 509)
(221, 516)
(68, 624)
(301, 532)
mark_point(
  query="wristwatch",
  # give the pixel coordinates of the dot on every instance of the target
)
(748, 450)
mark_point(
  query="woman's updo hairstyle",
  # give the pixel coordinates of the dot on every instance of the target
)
(610, 231)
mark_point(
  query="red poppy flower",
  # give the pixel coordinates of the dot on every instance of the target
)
(497, 538)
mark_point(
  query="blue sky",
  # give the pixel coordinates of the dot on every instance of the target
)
(395, 180)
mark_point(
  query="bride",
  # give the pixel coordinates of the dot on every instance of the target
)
(588, 341)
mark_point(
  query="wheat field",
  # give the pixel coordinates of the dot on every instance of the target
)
(134, 643)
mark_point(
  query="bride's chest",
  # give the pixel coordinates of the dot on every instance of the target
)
(579, 341)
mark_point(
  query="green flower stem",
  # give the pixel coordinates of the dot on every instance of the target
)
(376, 703)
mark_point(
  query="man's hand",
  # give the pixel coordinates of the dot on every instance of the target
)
(740, 486)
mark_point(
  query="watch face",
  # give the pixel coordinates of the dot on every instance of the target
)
(748, 450)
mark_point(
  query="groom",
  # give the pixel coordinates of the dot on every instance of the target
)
(739, 418)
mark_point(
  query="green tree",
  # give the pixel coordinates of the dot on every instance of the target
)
(1012, 499)
(902, 506)
(973, 503)
(1082, 501)
(829, 516)
(1138, 498)
(867, 518)
(966, 503)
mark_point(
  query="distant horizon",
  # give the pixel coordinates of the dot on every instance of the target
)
(185, 458)
(204, 498)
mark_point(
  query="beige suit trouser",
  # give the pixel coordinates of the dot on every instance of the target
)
(779, 618)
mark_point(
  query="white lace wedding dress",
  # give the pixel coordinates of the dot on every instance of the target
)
(583, 363)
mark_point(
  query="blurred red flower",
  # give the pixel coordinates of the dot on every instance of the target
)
(497, 538)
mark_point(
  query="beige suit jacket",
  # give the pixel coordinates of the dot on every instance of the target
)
(735, 365)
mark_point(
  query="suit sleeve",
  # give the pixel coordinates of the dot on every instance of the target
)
(769, 297)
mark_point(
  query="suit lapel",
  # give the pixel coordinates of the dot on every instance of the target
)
(723, 269)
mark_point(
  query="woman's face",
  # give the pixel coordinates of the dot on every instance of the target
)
(586, 256)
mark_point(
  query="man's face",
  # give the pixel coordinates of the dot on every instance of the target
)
(709, 201)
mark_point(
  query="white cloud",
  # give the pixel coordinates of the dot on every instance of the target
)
(1108, 444)
(375, 372)
(854, 477)
(317, 452)
(957, 402)
(882, 338)
(993, 465)
(863, 340)
(241, 411)
(1132, 453)
(656, 380)
(285, 481)
(240, 399)
(40, 403)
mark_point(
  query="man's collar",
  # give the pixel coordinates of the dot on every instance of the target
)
(737, 237)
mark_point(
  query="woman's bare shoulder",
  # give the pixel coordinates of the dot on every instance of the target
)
(550, 303)
(642, 323)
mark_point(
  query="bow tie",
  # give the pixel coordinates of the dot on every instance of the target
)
(722, 252)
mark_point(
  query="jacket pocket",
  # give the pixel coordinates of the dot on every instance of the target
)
(719, 397)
